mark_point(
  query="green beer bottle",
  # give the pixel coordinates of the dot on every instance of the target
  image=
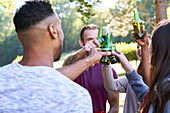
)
(138, 26)
(100, 36)
(113, 59)
(106, 46)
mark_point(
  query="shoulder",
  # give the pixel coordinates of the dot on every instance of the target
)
(7, 67)
(69, 84)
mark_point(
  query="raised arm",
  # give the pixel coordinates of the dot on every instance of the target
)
(111, 84)
(135, 80)
(144, 43)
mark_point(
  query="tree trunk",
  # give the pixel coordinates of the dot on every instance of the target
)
(160, 10)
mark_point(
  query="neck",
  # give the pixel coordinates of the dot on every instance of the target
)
(37, 57)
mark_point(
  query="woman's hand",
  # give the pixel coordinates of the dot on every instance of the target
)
(144, 41)
(124, 62)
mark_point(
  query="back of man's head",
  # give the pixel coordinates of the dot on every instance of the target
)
(30, 14)
(89, 26)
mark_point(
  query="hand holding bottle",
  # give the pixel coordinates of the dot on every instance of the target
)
(137, 26)
(88, 46)
(124, 62)
(95, 56)
(144, 41)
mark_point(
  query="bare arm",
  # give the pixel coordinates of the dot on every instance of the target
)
(113, 99)
(74, 70)
(81, 53)
(145, 64)
(75, 57)
(144, 43)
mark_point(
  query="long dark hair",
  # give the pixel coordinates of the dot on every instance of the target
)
(159, 85)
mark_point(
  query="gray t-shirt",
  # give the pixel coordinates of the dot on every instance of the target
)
(40, 89)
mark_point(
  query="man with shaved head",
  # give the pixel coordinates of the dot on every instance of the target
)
(32, 85)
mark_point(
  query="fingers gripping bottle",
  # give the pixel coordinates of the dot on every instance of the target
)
(114, 59)
(138, 26)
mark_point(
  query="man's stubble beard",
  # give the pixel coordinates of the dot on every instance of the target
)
(59, 52)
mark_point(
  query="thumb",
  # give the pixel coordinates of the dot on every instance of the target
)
(105, 53)
(116, 54)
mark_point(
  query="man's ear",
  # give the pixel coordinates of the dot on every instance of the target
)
(52, 31)
(81, 43)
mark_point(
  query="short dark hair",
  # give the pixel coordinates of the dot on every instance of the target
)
(31, 13)
(90, 26)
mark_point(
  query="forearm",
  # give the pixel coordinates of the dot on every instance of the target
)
(113, 99)
(137, 84)
(74, 70)
(75, 57)
(114, 109)
(145, 64)
(111, 84)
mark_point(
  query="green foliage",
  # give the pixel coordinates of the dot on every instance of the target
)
(6, 25)
(121, 16)
(8, 5)
(71, 24)
(128, 49)
(85, 8)
(147, 14)
(10, 47)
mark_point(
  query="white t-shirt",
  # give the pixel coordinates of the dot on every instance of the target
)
(40, 89)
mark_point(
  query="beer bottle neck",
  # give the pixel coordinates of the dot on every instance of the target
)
(100, 32)
(136, 16)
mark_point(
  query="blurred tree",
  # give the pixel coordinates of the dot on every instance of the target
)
(71, 24)
(6, 25)
(120, 16)
(8, 5)
(85, 8)
(160, 10)
(9, 44)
